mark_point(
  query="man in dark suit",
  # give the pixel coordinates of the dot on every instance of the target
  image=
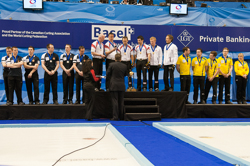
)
(116, 73)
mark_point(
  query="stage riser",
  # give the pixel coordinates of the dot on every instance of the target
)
(171, 105)
(42, 112)
(140, 101)
(78, 112)
(141, 109)
(218, 111)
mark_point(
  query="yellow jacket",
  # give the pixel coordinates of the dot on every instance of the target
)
(241, 68)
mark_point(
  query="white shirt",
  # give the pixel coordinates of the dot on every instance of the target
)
(142, 52)
(108, 47)
(170, 54)
(156, 55)
(125, 54)
(97, 47)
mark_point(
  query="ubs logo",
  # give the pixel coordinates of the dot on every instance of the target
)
(185, 38)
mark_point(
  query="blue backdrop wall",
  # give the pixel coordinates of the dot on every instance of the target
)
(122, 20)
(25, 33)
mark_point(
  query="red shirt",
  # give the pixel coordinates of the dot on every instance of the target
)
(93, 74)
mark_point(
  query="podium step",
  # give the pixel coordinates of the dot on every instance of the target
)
(141, 109)
(142, 116)
(140, 101)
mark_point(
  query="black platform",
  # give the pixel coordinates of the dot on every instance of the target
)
(171, 105)
(218, 111)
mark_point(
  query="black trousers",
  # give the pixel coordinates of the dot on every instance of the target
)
(185, 83)
(155, 70)
(169, 70)
(128, 64)
(97, 65)
(89, 93)
(141, 67)
(15, 83)
(208, 86)
(79, 82)
(118, 104)
(199, 81)
(6, 84)
(108, 61)
(48, 79)
(241, 88)
(68, 84)
(35, 81)
(224, 81)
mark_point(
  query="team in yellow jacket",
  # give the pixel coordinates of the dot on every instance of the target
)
(217, 70)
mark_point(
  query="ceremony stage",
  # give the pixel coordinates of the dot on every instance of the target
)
(138, 106)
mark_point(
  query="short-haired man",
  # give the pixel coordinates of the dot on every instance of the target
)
(155, 64)
(110, 51)
(225, 65)
(50, 64)
(169, 62)
(127, 57)
(212, 76)
(78, 61)
(142, 56)
(15, 76)
(31, 63)
(183, 67)
(97, 51)
(66, 63)
(116, 72)
(199, 72)
(6, 71)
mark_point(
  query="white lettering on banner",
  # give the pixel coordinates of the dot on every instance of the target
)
(118, 31)
(237, 39)
(211, 39)
(32, 34)
(229, 39)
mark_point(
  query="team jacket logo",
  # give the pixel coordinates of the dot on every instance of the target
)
(118, 31)
(185, 38)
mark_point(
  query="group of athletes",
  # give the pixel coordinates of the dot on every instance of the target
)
(143, 57)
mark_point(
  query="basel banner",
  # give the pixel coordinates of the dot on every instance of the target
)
(39, 34)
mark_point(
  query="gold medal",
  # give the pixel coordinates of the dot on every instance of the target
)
(124, 53)
(140, 52)
(153, 53)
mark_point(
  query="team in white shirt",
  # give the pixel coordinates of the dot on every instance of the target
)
(97, 51)
(155, 63)
(110, 51)
(126, 52)
(169, 62)
(147, 57)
